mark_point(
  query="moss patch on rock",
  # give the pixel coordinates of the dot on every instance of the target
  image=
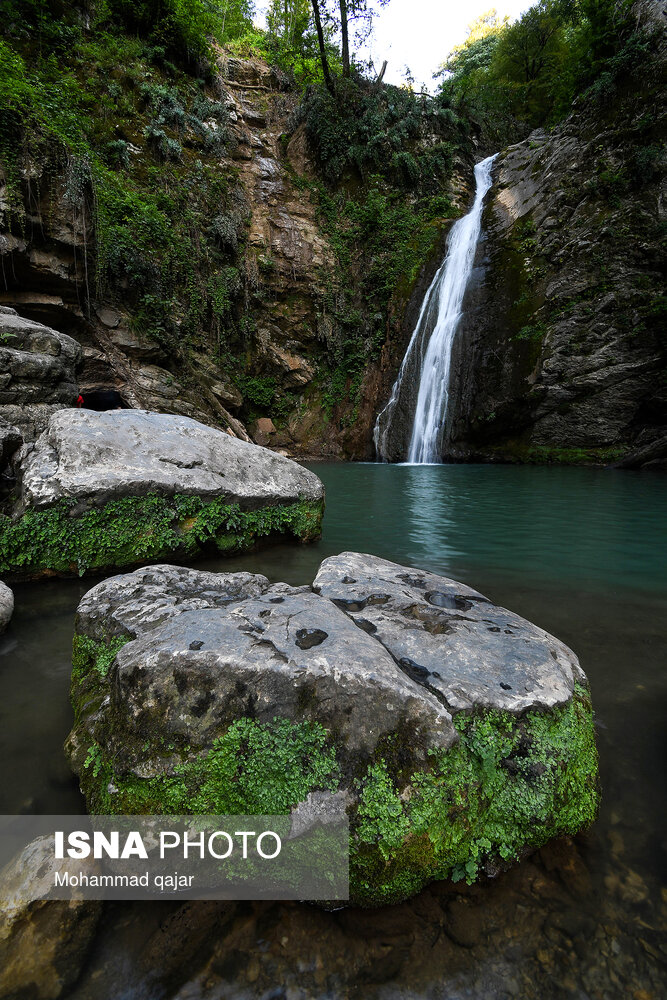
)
(508, 786)
(253, 769)
(65, 540)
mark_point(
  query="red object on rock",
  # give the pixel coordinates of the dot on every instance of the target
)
(79, 402)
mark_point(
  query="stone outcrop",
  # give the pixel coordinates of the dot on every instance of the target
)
(459, 734)
(38, 375)
(6, 606)
(125, 486)
(561, 352)
(43, 943)
(46, 250)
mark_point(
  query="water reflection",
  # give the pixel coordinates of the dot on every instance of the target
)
(430, 501)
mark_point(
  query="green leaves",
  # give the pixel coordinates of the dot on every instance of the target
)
(139, 529)
(510, 783)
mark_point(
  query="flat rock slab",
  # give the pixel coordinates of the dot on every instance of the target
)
(97, 457)
(458, 734)
(490, 656)
(111, 489)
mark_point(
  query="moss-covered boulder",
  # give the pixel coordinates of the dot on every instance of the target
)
(105, 490)
(460, 735)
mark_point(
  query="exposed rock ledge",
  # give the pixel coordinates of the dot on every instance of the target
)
(37, 377)
(459, 734)
(113, 489)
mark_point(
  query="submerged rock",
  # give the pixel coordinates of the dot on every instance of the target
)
(459, 735)
(6, 606)
(43, 942)
(110, 489)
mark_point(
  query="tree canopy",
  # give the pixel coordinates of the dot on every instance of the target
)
(526, 74)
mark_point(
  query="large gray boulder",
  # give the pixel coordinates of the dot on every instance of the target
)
(6, 606)
(458, 734)
(128, 486)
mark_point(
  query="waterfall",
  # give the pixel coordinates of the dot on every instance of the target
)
(429, 352)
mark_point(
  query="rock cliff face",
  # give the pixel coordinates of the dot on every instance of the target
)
(48, 277)
(561, 353)
(285, 269)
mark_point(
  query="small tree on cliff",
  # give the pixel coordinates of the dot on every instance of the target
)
(340, 14)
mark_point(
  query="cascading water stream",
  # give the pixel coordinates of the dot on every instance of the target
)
(429, 352)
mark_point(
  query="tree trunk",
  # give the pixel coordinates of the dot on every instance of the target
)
(344, 34)
(323, 51)
(380, 77)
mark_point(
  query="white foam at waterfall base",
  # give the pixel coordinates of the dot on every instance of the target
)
(439, 316)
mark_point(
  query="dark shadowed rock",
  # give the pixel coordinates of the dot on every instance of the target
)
(43, 943)
(458, 735)
(10, 439)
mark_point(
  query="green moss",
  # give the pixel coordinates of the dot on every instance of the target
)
(575, 456)
(510, 784)
(520, 450)
(140, 529)
(87, 655)
(253, 769)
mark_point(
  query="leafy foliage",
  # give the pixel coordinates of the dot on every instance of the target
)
(362, 131)
(90, 655)
(509, 783)
(139, 529)
(527, 74)
(253, 769)
(140, 140)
